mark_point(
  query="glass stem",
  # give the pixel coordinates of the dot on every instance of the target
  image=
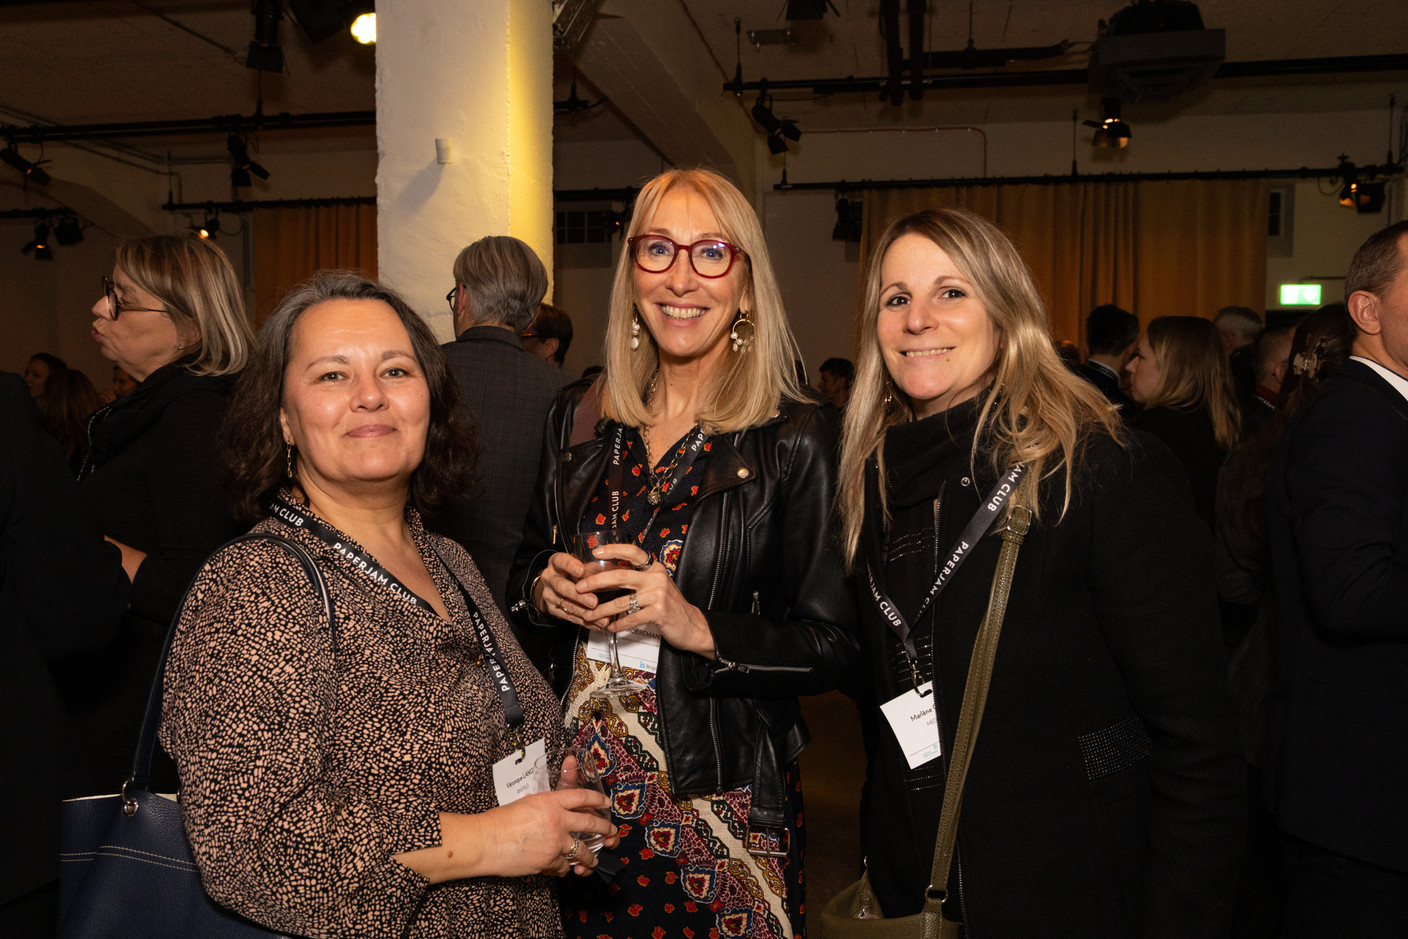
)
(615, 657)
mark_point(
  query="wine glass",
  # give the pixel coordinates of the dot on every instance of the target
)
(572, 767)
(589, 536)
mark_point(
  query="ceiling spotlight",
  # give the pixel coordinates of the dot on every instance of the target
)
(30, 171)
(765, 118)
(809, 9)
(242, 166)
(40, 244)
(210, 227)
(364, 26)
(1364, 196)
(265, 53)
(68, 231)
(779, 131)
(1110, 131)
(848, 223)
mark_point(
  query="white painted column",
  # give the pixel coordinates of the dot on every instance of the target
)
(476, 73)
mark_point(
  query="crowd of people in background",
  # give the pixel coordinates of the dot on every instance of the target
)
(1194, 724)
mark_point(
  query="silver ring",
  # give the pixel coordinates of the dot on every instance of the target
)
(570, 855)
(632, 604)
(642, 568)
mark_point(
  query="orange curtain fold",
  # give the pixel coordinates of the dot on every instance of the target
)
(291, 243)
(1155, 248)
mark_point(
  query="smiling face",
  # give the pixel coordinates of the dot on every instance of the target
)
(936, 337)
(1145, 374)
(355, 401)
(142, 338)
(689, 316)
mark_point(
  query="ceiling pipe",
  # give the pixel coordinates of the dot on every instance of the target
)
(1388, 169)
(221, 124)
(1335, 65)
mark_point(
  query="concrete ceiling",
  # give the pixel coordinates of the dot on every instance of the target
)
(118, 61)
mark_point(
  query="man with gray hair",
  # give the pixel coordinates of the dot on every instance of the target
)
(499, 282)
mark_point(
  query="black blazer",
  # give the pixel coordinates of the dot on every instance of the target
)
(509, 390)
(1337, 520)
(62, 591)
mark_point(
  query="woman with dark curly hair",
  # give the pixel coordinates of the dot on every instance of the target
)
(358, 777)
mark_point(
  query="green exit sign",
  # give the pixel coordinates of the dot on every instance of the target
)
(1300, 294)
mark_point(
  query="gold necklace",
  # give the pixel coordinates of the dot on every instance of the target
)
(660, 480)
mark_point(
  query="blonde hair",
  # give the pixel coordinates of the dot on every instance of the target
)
(1035, 411)
(1194, 374)
(747, 388)
(196, 284)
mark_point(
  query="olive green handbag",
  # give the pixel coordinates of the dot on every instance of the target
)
(854, 913)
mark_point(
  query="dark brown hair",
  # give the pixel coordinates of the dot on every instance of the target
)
(1377, 262)
(252, 440)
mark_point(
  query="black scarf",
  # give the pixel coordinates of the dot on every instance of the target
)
(112, 427)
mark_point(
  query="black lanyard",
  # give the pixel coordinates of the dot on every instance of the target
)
(295, 516)
(982, 519)
(693, 445)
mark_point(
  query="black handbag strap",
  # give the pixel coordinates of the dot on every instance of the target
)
(141, 774)
(970, 715)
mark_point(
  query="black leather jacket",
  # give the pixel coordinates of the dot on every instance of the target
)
(761, 561)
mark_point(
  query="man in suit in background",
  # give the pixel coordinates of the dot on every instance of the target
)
(1337, 522)
(499, 282)
(1109, 333)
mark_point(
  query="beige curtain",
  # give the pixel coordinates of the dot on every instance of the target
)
(1156, 248)
(292, 243)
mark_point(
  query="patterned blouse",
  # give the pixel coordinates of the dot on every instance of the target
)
(683, 867)
(303, 771)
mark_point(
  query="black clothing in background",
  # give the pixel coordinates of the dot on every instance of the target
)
(1107, 382)
(62, 591)
(509, 391)
(1105, 794)
(152, 481)
(1189, 434)
(1337, 522)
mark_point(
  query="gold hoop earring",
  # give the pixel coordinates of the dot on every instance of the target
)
(635, 331)
(742, 343)
(288, 460)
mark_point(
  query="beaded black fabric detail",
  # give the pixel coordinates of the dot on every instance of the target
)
(1114, 748)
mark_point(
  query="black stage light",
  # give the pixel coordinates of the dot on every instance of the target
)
(765, 118)
(776, 144)
(319, 19)
(265, 53)
(40, 244)
(241, 164)
(29, 170)
(68, 231)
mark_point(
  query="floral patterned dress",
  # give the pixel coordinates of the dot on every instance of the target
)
(684, 868)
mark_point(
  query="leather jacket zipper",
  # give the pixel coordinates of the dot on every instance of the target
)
(719, 564)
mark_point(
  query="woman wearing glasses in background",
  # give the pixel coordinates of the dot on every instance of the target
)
(172, 316)
(698, 442)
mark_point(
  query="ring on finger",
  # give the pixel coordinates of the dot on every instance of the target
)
(642, 568)
(632, 604)
(570, 855)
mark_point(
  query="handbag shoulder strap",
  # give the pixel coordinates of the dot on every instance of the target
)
(975, 694)
(141, 773)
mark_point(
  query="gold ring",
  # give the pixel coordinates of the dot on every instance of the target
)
(570, 855)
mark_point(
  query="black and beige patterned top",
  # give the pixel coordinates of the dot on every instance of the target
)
(304, 772)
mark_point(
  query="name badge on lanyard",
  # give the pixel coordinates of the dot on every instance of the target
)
(912, 716)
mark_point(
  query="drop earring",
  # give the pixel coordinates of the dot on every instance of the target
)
(742, 343)
(635, 332)
(288, 460)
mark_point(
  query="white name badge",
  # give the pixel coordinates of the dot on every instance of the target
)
(912, 718)
(518, 774)
(637, 648)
